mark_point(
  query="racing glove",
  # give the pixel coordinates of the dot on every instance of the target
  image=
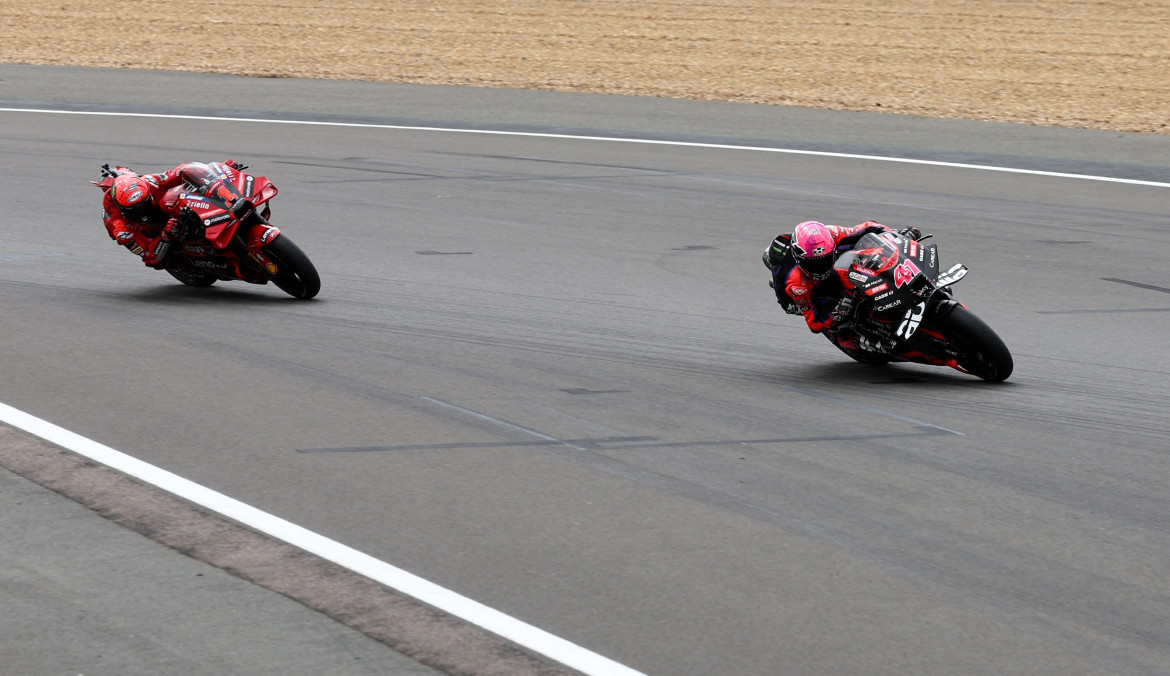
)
(173, 231)
(911, 232)
(156, 256)
(842, 316)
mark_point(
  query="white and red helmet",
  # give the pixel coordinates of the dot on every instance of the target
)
(814, 249)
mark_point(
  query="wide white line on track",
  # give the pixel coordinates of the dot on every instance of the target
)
(536, 640)
(610, 139)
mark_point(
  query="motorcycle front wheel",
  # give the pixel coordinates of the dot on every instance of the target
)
(984, 354)
(295, 273)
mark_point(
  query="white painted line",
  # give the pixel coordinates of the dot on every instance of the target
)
(524, 634)
(871, 409)
(688, 144)
(502, 423)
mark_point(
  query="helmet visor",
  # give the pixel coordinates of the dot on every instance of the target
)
(818, 267)
(136, 212)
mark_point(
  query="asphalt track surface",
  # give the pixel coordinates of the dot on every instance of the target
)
(547, 372)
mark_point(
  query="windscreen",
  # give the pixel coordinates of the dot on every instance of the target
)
(872, 254)
(199, 175)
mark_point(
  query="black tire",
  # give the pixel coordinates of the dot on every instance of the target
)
(986, 356)
(196, 279)
(295, 274)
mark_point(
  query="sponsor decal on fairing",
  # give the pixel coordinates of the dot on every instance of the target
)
(913, 318)
(194, 202)
(210, 264)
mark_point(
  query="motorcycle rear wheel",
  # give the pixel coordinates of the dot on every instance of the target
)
(296, 274)
(986, 356)
(196, 279)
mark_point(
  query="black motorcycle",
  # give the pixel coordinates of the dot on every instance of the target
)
(903, 309)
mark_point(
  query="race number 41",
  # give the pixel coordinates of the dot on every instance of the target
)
(905, 272)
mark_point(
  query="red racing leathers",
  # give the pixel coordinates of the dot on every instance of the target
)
(148, 239)
(816, 300)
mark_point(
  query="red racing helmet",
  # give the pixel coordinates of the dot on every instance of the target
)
(132, 195)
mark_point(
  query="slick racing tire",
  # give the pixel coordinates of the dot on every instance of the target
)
(197, 279)
(295, 274)
(985, 355)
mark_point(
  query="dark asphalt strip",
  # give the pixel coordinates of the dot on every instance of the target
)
(420, 632)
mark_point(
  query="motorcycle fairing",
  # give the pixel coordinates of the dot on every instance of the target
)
(259, 235)
(893, 279)
(954, 274)
(213, 212)
(221, 196)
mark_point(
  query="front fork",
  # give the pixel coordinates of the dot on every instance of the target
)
(941, 304)
(930, 341)
(259, 233)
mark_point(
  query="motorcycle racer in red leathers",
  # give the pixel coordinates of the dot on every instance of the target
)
(804, 279)
(136, 216)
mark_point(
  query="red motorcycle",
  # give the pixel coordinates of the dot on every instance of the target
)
(224, 231)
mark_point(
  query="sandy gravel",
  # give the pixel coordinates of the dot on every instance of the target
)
(1079, 63)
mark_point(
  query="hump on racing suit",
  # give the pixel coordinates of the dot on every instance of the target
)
(779, 259)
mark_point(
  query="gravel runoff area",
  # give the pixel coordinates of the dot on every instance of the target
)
(1098, 64)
